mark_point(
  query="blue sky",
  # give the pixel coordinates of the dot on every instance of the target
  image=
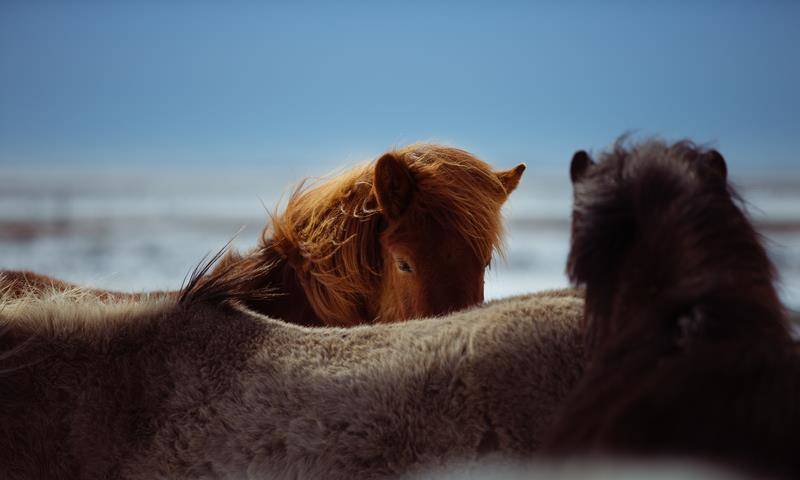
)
(249, 83)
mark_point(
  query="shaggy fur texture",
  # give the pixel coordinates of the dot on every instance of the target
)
(142, 390)
(690, 352)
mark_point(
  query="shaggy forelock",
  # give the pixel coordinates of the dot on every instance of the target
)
(461, 193)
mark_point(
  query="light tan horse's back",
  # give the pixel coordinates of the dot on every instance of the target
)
(151, 389)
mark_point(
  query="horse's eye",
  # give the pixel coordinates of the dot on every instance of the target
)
(403, 266)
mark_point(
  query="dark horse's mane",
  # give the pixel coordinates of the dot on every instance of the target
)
(668, 225)
(690, 352)
(218, 281)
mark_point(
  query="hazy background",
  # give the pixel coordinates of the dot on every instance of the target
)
(137, 136)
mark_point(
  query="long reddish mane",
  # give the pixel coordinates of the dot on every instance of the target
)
(329, 232)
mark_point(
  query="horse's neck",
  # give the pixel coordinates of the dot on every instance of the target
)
(277, 292)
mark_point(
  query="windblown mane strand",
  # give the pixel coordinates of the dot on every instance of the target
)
(228, 276)
(315, 234)
(329, 234)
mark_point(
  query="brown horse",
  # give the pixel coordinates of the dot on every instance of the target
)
(406, 236)
(109, 388)
(689, 350)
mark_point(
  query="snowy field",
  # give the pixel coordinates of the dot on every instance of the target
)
(145, 231)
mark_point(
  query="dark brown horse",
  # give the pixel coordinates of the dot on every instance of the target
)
(406, 236)
(689, 349)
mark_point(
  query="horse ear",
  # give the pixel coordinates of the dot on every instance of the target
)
(393, 185)
(713, 160)
(510, 178)
(581, 161)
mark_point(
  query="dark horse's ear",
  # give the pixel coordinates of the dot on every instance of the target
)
(713, 161)
(393, 185)
(510, 178)
(581, 162)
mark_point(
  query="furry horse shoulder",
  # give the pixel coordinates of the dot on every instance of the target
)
(688, 344)
(93, 388)
(406, 236)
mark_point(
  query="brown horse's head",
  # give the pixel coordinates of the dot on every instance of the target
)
(407, 236)
(440, 211)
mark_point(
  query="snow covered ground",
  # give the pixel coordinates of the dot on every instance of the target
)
(145, 231)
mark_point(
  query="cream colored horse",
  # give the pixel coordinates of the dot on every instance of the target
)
(94, 388)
